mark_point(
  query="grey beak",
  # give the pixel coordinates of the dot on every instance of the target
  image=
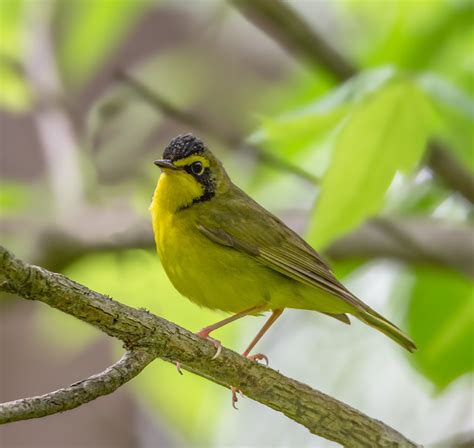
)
(163, 163)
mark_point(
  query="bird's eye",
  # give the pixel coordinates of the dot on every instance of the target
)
(197, 168)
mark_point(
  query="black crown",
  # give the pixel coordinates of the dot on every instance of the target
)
(183, 146)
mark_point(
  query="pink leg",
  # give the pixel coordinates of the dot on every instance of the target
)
(274, 316)
(204, 333)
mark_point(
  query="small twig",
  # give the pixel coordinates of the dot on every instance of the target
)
(156, 337)
(104, 383)
(188, 118)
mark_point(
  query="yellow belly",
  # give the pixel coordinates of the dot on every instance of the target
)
(206, 273)
(220, 277)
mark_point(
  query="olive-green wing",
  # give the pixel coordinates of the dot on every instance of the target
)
(244, 225)
(236, 221)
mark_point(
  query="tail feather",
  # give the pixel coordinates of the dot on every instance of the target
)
(375, 320)
(344, 318)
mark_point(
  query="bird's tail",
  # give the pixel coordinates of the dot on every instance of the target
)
(375, 320)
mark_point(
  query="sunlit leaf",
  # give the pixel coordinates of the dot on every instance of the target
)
(301, 136)
(441, 321)
(384, 134)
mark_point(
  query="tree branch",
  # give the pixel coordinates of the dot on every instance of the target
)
(413, 240)
(424, 240)
(292, 32)
(285, 26)
(106, 382)
(442, 162)
(149, 336)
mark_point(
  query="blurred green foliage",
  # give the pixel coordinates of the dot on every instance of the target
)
(15, 93)
(364, 140)
(441, 320)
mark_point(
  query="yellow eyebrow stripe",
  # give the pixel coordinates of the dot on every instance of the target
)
(192, 159)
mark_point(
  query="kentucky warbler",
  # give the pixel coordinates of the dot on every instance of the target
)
(224, 251)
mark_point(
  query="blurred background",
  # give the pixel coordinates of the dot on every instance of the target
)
(351, 120)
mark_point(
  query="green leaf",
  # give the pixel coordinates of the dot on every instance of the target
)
(386, 133)
(90, 29)
(301, 136)
(441, 321)
(292, 135)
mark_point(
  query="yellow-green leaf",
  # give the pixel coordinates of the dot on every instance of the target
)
(386, 133)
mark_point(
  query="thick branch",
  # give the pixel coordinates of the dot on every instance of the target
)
(140, 330)
(106, 382)
(292, 32)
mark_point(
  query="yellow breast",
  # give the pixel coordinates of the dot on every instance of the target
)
(206, 273)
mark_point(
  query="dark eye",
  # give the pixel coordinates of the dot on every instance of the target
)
(197, 168)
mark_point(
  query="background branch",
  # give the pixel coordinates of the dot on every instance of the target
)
(450, 170)
(414, 240)
(152, 336)
(424, 240)
(279, 21)
(106, 382)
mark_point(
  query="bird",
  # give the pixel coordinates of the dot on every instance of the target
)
(224, 251)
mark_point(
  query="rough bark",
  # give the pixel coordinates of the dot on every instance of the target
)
(77, 394)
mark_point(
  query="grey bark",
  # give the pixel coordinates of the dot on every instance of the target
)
(77, 394)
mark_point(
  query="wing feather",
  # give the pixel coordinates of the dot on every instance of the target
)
(259, 234)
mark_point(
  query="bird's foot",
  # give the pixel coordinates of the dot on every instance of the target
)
(257, 357)
(234, 392)
(205, 335)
